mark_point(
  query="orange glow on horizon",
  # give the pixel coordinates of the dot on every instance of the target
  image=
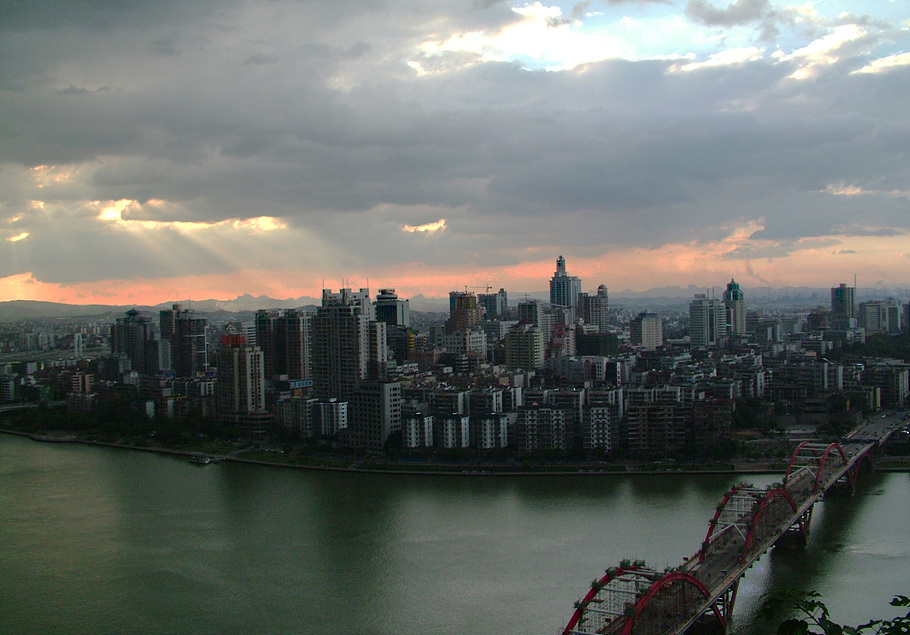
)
(820, 265)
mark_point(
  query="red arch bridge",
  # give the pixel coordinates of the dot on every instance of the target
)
(632, 599)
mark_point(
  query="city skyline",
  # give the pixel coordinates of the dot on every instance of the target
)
(205, 150)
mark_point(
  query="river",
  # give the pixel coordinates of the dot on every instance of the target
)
(98, 540)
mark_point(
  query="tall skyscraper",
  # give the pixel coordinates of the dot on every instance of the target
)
(129, 335)
(187, 335)
(595, 309)
(843, 305)
(735, 308)
(525, 347)
(167, 322)
(343, 342)
(494, 304)
(453, 298)
(646, 330)
(873, 316)
(466, 315)
(706, 322)
(564, 289)
(284, 337)
(240, 387)
(893, 316)
(391, 310)
(78, 345)
(538, 313)
(189, 348)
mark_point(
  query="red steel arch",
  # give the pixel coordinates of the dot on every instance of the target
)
(668, 579)
(818, 454)
(763, 506)
(721, 507)
(633, 599)
(864, 459)
(824, 459)
(596, 588)
(796, 453)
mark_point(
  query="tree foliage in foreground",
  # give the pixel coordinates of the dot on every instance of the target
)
(813, 617)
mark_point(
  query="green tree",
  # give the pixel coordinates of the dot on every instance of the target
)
(813, 616)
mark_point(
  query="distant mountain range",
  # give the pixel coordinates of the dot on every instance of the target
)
(17, 310)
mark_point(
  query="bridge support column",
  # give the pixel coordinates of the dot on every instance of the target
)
(718, 619)
(724, 606)
(797, 535)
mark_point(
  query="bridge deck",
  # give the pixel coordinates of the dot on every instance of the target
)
(747, 524)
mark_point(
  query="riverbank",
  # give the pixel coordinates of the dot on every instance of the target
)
(273, 458)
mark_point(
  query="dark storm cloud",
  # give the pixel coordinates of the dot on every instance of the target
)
(737, 13)
(308, 112)
(49, 15)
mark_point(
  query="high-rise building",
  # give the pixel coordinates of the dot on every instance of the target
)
(706, 322)
(331, 417)
(646, 330)
(416, 425)
(189, 348)
(893, 316)
(453, 298)
(343, 342)
(564, 289)
(843, 305)
(240, 388)
(167, 321)
(284, 337)
(391, 310)
(129, 335)
(466, 315)
(494, 304)
(538, 313)
(375, 414)
(378, 354)
(735, 308)
(525, 348)
(78, 345)
(873, 316)
(187, 335)
(157, 356)
(595, 309)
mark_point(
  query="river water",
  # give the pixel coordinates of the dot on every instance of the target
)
(96, 540)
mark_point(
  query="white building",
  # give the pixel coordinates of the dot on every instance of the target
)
(331, 417)
(647, 330)
(240, 388)
(490, 431)
(706, 322)
(597, 427)
(451, 431)
(564, 289)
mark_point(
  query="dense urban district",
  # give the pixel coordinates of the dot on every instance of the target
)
(492, 385)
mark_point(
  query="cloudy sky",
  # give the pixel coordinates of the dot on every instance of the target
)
(192, 149)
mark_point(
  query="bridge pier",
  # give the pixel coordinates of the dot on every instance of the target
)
(797, 535)
(843, 487)
(707, 625)
(698, 597)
